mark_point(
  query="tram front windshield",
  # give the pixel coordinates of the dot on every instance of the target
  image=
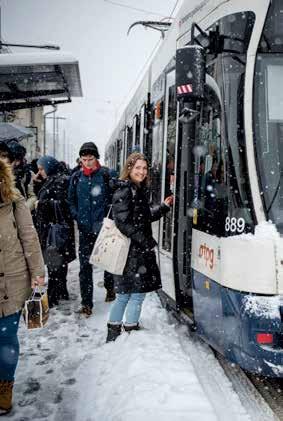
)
(268, 115)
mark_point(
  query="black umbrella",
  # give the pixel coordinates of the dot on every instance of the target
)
(9, 131)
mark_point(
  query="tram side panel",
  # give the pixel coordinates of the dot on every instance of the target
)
(222, 207)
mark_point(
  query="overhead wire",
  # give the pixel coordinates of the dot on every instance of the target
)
(148, 59)
(142, 70)
(174, 8)
(133, 8)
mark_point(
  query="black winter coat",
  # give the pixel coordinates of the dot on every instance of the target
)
(55, 188)
(133, 216)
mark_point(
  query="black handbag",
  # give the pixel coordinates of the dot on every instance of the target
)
(58, 236)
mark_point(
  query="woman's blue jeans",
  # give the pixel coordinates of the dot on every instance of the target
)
(132, 303)
(9, 346)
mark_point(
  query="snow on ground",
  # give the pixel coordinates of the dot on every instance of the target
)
(67, 372)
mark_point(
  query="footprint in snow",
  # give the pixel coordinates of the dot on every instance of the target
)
(58, 397)
(22, 403)
(69, 382)
(32, 386)
(47, 359)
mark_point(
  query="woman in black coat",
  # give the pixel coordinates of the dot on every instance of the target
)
(133, 216)
(52, 207)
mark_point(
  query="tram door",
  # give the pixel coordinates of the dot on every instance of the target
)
(184, 211)
(142, 125)
(168, 187)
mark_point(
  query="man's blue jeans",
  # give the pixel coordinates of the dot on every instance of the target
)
(132, 303)
(9, 346)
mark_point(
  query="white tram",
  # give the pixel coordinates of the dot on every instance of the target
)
(209, 116)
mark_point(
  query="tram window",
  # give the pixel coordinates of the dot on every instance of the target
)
(119, 155)
(211, 192)
(271, 40)
(129, 140)
(154, 147)
(147, 137)
(222, 163)
(170, 166)
(268, 124)
(269, 134)
(156, 166)
(275, 96)
(137, 139)
(234, 67)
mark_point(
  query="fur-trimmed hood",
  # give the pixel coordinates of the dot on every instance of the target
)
(7, 184)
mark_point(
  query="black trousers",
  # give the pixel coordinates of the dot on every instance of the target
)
(86, 243)
(57, 282)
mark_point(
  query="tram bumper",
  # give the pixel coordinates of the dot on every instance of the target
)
(261, 348)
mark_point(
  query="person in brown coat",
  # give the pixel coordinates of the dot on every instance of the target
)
(21, 269)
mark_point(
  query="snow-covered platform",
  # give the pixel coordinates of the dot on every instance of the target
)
(67, 372)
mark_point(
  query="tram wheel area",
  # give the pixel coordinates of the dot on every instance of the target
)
(260, 396)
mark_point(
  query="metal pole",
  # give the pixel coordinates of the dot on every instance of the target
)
(54, 133)
(64, 146)
(44, 127)
(0, 29)
(56, 149)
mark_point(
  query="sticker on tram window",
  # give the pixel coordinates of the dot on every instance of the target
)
(234, 224)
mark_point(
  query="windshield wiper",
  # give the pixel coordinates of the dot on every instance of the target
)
(275, 195)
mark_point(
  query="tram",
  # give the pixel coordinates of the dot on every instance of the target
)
(208, 114)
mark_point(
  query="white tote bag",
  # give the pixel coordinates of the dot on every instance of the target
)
(110, 251)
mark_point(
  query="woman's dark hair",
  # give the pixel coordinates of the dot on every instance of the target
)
(129, 165)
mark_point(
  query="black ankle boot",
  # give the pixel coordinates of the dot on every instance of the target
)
(129, 328)
(113, 332)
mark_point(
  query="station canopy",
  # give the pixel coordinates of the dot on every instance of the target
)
(37, 79)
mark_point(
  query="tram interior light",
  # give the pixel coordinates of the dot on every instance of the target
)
(159, 110)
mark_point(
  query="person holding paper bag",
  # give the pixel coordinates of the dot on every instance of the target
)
(133, 217)
(21, 268)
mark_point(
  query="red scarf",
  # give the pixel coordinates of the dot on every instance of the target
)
(88, 171)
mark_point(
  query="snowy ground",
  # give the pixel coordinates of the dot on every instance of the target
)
(67, 372)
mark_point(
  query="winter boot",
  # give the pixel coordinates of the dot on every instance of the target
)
(85, 311)
(6, 394)
(129, 328)
(113, 332)
(110, 295)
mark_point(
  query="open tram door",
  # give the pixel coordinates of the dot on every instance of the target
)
(166, 226)
(190, 81)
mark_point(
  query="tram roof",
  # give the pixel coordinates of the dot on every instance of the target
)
(37, 79)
